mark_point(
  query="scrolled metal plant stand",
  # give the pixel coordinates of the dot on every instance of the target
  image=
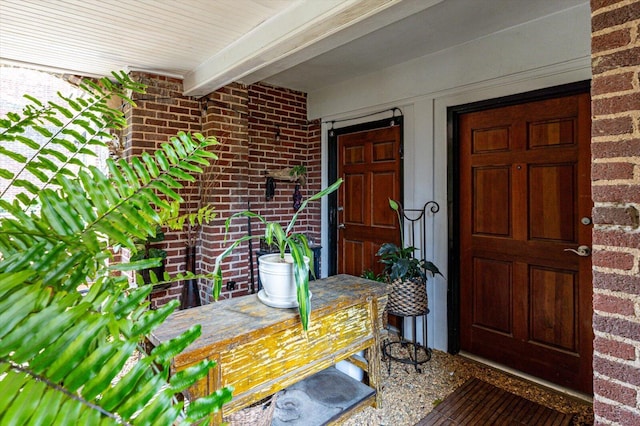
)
(416, 359)
(417, 354)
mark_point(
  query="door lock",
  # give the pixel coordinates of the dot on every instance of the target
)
(583, 251)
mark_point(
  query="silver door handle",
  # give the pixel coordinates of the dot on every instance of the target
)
(341, 226)
(583, 251)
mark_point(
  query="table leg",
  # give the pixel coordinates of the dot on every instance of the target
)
(374, 354)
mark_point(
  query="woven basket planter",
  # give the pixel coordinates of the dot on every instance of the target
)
(259, 414)
(408, 297)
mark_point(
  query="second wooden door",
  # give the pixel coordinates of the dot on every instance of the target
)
(369, 162)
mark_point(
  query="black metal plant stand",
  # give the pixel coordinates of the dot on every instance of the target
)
(420, 355)
(417, 354)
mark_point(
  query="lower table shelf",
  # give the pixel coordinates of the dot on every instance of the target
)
(321, 399)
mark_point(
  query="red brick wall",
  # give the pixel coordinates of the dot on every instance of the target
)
(261, 128)
(225, 184)
(159, 115)
(280, 137)
(272, 111)
(246, 121)
(616, 194)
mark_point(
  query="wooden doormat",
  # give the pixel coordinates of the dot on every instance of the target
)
(479, 403)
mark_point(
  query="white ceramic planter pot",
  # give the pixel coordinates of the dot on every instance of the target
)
(350, 369)
(276, 277)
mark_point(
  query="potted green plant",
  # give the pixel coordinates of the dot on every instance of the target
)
(407, 275)
(145, 250)
(371, 275)
(291, 262)
(299, 174)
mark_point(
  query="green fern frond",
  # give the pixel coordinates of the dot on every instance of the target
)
(61, 350)
(89, 212)
(81, 357)
(203, 215)
(64, 118)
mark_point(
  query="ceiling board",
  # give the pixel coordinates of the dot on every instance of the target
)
(299, 44)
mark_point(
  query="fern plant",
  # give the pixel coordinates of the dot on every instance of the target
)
(63, 352)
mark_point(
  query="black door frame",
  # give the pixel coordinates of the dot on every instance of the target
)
(453, 187)
(333, 176)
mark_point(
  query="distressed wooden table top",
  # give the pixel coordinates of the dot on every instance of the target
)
(225, 320)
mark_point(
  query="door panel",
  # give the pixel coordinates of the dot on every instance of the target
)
(492, 194)
(369, 162)
(352, 256)
(492, 294)
(525, 185)
(552, 202)
(552, 319)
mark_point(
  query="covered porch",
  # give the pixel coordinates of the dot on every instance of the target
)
(274, 87)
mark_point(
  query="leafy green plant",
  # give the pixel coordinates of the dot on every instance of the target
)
(145, 250)
(299, 173)
(399, 261)
(287, 241)
(299, 170)
(370, 275)
(61, 349)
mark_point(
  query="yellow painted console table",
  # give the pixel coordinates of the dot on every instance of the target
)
(261, 350)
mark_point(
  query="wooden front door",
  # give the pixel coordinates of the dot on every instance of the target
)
(525, 198)
(369, 162)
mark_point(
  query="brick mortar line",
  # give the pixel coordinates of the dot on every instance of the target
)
(630, 318)
(611, 7)
(614, 204)
(604, 53)
(631, 273)
(605, 160)
(633, 113)
(618, 294)
(628, 363)
(613, 138)
(620, 249)
(618, 71)
(610, 95)
(616, 182)
(615, 71)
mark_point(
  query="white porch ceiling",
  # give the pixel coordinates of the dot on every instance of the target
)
(298, 44)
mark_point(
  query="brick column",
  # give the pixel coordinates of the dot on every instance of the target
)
(225, 185)
(281, 137)
(616, 193)
(261, 128)
(160, 114)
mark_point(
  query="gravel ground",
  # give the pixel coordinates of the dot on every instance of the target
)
(407, 396)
